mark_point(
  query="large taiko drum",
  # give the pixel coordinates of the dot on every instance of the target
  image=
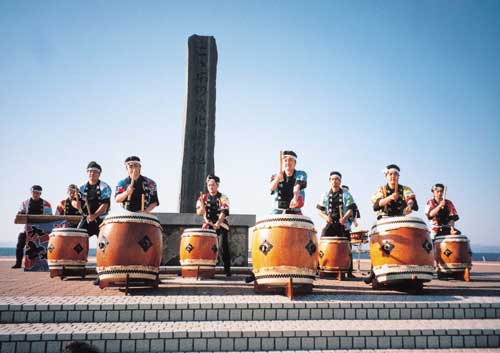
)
(129, 250)
(401, 251)
(284, 247)
(334, 256)
(453, 254)
(198, 253)
(67, 252)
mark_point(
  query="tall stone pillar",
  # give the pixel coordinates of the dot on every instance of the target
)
(199, 120)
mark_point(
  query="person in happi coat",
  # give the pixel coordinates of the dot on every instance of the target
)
(67, 206)
(393, 198)
(336, 207)
(287, 186)
(95, 200)
(35, 205)
(213, 206)
(136, 192)
(441, 212)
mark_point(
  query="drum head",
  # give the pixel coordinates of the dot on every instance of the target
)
(123, 216)
(285, 220)
(199, 231)
(71, 232)
(390, 223)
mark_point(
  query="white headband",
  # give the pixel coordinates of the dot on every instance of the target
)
(385, 171)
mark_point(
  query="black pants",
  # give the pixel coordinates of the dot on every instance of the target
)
(21, 242)
(224, 253)
(445, 230)
(91, 227)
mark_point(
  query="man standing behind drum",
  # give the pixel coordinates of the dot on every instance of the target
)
(393, 199)
(66, 207)
(214, 208)
(337, 207)
(136, 193)
(96, 197)
(288, 186)
(34, 205)
(441, 213)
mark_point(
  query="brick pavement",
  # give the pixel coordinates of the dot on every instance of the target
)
(485, 281)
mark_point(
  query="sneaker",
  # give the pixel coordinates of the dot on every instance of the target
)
(250, 278)
(16, 266)
(350, 275)
(96, 281)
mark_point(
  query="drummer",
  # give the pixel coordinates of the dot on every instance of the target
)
(214, 208)
(96, 197)
(441, 213)
(136, 192)
(337, 207)
(288, 186)
(35, 205)
(66, 207)
(390, 202)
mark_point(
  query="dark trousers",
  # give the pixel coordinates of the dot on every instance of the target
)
(91, 227)
(21, 242)
(224, 253)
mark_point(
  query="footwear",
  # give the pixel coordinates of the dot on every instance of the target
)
(250, 278)
(228, 274)
(369, 279)
(16, 266)
(350, 275)
(96, 281)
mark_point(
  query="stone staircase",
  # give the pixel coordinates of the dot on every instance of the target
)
(250, 323)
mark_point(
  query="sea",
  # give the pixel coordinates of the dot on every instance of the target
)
(480, 256)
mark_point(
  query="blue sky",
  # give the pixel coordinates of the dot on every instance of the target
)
(348, 85)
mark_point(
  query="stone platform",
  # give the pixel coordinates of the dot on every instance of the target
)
(39, 314)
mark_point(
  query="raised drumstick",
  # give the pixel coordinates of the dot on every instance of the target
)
(142, 202)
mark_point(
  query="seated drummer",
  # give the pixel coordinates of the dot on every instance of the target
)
(96, 197)
(336, 207)
(288, 186)
(214, 208)
(34, 205)
(388, 201)
(136, 192)
(67, 207)
(441, 213)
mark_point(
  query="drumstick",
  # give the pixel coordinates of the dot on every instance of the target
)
(142, 202)
(281, 161)
(444, 194)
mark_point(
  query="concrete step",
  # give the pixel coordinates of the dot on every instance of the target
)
(244, 308)
(253, 335)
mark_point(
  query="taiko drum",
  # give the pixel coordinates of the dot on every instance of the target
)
(334, 255)
(453, 254)
(129, 249)
(401, 250)
(67, 252)
(198, 252)
(284, 247)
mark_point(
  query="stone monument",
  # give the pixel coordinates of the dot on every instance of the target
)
(199, 120)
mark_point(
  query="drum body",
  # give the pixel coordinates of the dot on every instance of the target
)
(198, 253)
(334, 255)
(452, 254)
(401, 250)
(283, 247)
(67, 252)
(129, 249)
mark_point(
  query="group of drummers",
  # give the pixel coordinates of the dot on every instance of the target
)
(137, 193)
